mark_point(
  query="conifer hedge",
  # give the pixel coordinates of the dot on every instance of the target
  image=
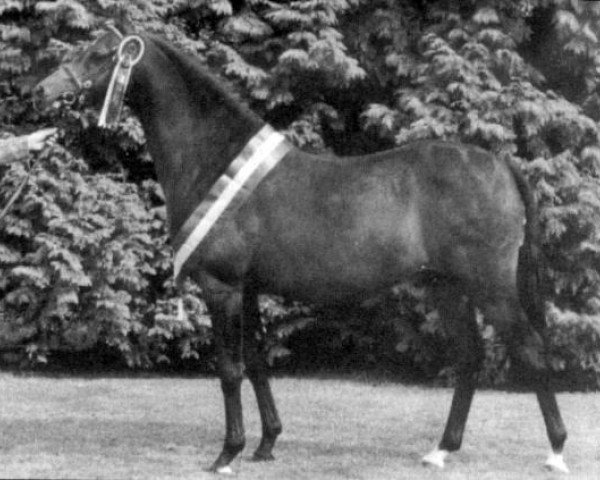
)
(84, 258)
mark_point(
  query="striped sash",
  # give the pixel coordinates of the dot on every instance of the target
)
(257, 158)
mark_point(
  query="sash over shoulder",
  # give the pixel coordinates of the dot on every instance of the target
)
(264, 150)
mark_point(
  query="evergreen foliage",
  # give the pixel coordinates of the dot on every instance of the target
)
(83, 255)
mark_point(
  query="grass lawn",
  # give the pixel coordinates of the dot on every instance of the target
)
(150, 428)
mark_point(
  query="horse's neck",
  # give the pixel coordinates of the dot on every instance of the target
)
(192, 136)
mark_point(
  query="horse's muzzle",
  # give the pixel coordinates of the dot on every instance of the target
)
(42, 100)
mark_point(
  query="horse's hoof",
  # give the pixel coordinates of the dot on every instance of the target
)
(224, 470)
(435, 458)
(262, 457)
(220, 469)
(556, 463)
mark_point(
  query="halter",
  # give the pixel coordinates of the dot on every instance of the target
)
(114, 29)
(74, 79)
(72, 76)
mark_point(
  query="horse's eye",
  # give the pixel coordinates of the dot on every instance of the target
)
(103, 51)
(96, 55)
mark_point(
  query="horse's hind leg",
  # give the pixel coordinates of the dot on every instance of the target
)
(527, 347)
(257, 373)
(528, 355)
(458, 316)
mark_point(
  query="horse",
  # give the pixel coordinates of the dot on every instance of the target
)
(329, 231)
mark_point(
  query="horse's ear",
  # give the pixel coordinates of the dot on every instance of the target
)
(121, 20)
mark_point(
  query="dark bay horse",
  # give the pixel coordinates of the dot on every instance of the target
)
(334, 231)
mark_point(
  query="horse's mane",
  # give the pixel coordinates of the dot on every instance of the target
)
(192, 69)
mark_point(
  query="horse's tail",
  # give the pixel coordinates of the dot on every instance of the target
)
(531, 268)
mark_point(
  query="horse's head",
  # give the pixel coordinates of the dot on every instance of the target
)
(88, 74)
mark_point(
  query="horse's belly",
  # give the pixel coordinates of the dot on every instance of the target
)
(342, 269)
(322, 286)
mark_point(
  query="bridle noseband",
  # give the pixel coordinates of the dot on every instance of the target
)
(74, 79)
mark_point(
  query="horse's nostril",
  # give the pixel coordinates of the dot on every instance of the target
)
(38, 92)
(68, 97)
(37, 97)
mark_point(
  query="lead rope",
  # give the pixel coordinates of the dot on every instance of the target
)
(17, 193)
(14, 197)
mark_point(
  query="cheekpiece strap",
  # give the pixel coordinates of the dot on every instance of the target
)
(112, 27)
(129, 53)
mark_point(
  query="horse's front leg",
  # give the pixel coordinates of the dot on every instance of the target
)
(224, 303)
(257, 373)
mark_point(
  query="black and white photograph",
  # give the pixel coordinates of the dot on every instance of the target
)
(300, 239)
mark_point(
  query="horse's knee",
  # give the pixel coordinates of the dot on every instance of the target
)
(526, 346)
(469, 352)
(256, 366)
(470, 363)
(231, 375)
